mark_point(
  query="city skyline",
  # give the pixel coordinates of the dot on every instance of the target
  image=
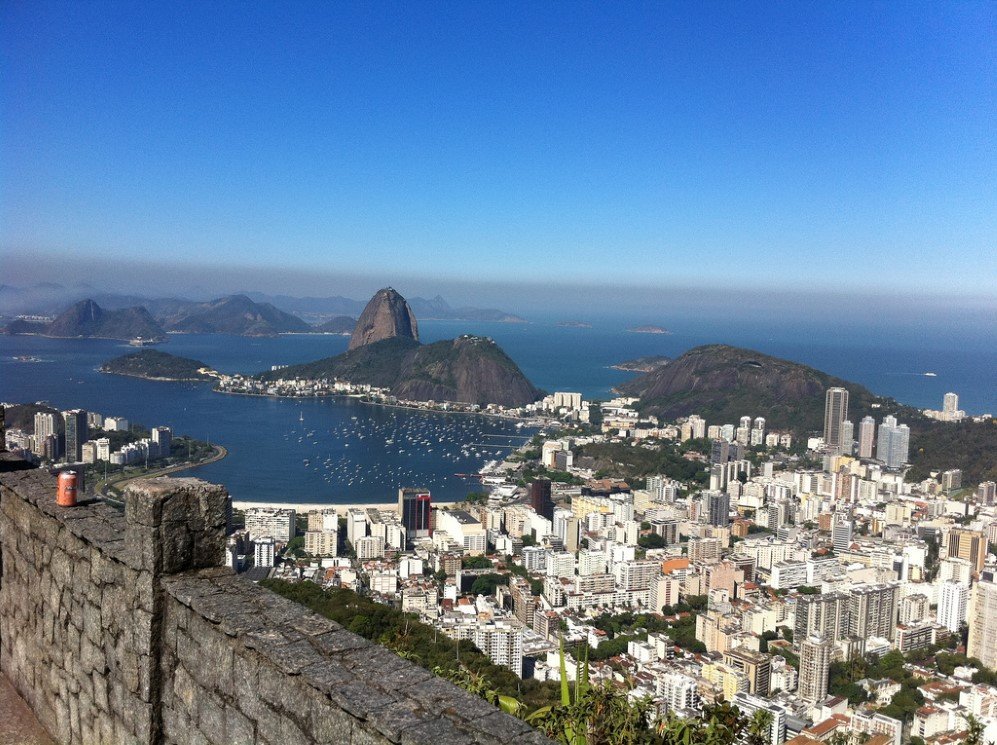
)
(642, 145)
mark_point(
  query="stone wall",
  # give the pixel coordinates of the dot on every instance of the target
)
(123, 627)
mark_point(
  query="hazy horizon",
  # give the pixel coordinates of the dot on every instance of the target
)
(841, 151)
(677, 307)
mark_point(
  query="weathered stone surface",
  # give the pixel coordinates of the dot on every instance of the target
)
(123, 628)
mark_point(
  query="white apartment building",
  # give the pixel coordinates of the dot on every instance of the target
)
(270, 522)
(953, 600)
(263, 552)
(464, 529)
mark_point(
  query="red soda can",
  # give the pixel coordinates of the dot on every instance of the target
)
(66, 496)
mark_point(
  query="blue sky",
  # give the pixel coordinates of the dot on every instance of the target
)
(786, 146)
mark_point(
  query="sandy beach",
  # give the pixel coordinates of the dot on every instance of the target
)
(308, 507)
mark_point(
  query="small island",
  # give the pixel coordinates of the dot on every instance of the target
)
(648, 330)
(643, 364)
(152, 364)
(574, 325)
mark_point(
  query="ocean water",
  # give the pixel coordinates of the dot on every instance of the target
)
(579, 359)
(328, 450)
(340, 450)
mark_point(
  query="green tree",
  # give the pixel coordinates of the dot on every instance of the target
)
(760, 728)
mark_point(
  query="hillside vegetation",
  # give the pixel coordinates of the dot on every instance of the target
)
(468, 369)
(151, 363)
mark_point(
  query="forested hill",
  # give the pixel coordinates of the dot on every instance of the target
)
(156, 365)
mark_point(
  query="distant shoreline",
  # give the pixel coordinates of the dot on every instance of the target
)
(157, 379)
(507, 417)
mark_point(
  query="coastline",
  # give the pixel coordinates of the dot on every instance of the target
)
(150, 377)
(507, 417)
(220, 452)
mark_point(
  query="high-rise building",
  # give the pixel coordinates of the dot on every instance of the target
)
(951, 479)
(970, 545)
(719, 451)
(824, 615)
(867, 436)
(45, 426)
(872, 611)
(835, 414)
(983, 621)
(950, 403)
(985, 492)
(718, 508)
(263, 552)
(414, 509)
(321, 542)
(77, 433)
(847, 437)
(540, 498)
(893, 444)
(277, 524)
(815, 668)
(953, 598)
(757, 667)
(841, 531)
(163, 436)
(913, 609)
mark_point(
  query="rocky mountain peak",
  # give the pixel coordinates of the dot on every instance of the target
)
(386, 316)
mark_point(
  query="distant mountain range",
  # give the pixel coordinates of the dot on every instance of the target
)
(50, 299)
(235, 314)
(86, 319)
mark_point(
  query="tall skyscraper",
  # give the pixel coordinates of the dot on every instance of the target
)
(415, 511)
(835, 414)
(893, 445)
(953, 598)
(825, 616)
(867, 436)
(718, 508)
(983, 621)
(540, 498)
(847, 437)
(77, 432)
(720, 451)
(815, 668)
(45, 425)
(873, 611)
(950, 404)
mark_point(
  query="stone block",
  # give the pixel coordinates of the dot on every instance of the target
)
(391, 720)
(211, 718)
(239, 730)
(276, 727)
(503, 727)
(437, 732)
(247, 682)
(327, 724)
(175, 525)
